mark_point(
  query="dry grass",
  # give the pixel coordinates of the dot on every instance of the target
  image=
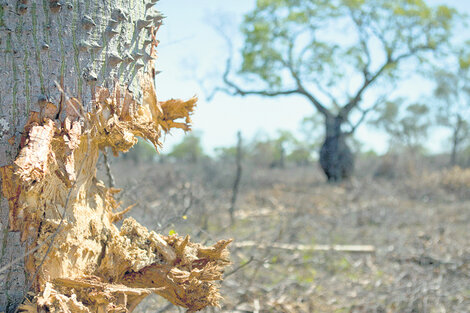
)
(418, 225)
(456, 180)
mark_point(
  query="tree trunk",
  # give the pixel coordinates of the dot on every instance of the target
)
(336, 159)
(456, 139)
(75, 77)
(282, 155)
(238, 176)
(49, 42)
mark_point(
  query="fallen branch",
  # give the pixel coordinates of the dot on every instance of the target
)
(301, 247)
(239, 267)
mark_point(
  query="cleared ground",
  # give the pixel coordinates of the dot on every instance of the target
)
(419, 227)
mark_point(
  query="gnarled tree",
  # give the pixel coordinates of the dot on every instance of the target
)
(75, 77)
(334, 53)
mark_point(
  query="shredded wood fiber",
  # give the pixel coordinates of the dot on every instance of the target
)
(93, 266)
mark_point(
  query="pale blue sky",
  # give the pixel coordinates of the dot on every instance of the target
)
(190, 48)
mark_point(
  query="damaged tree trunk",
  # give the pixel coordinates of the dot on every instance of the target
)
(77, 77)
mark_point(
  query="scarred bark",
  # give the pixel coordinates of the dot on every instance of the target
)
(76, 77)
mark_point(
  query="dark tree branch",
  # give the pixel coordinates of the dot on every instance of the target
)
(251, 259)
(369, 80)
(362, 41)
(237, 90)
(364, 115)
(314, 101)
(324, 91)
(300, 88)
(344, 112)
(383, 41)
(295, 75)
(234, 89)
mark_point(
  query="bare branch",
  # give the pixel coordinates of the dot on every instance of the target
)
(368, 80)
(239, 267)
(357, 98)
(235, 89)
(290, 65)
(243, 92)
(324, 91)
(301, 90)
(365, 113)
(362, 41)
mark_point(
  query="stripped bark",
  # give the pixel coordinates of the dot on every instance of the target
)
(75, 78)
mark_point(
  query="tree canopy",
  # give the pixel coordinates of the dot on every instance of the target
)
(189, 149)
(406, 127)
(332, 51)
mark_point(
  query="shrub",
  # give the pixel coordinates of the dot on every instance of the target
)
(456, 180)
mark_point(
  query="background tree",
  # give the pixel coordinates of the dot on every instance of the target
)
(189, 149)
(452, 95)
(332, 53)
(238, 176)
(292, 149)
(262, 150)
(226, 154)
(407, 126)
(141, 152)
(283, 145)
(267, 151)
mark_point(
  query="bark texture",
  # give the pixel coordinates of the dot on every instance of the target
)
(336, 159)
(76, 77)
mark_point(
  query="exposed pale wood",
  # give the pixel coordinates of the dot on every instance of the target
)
(44, 44)
(76, 77)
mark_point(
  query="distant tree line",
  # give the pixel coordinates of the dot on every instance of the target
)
(348, 59)
(408, 127)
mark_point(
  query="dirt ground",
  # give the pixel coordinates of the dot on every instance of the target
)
(418, 226)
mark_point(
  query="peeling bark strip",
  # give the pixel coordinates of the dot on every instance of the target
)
(79, 261)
